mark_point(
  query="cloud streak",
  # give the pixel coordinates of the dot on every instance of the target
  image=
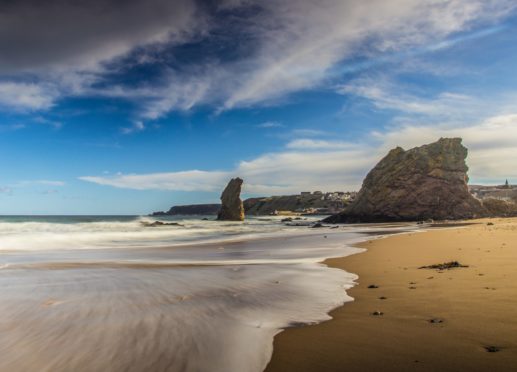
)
(282, 46)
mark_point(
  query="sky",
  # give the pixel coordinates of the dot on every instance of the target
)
(111, 107)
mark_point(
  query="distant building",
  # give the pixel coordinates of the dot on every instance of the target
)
(305, 193)
(506, 185)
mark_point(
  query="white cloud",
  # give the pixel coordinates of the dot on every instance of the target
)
(6, 190)
(12, 127)
(193, 180)
(385, 94)
(293, 46)
(26, 96)
(137, 126)
(311, 144)
(40, 182)
(270, 124)
(307, 132)
(302, 40)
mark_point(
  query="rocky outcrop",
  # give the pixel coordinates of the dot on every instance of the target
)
(193, 209)
(427, 182)
(232, 208)
(500, 208)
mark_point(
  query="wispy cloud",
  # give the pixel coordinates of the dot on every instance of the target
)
(12, 127)
(138, 126)
(26, 96)
(6, 190)
(389, 95)
(311, 144)
(270, 124)
(40, 182)
(292, 46)
(193, 180)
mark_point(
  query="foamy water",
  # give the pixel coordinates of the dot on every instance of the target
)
(108, 294)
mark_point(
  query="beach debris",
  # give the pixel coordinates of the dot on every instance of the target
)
(383, 298)
(372, 286)
(287, 219)
(490, 224)
(444, 266)
(492, 349)
(377, 313)
(431, 277)
(412, 282)
(159, 223)
(435, 320)
(50, 302)
(412, 287)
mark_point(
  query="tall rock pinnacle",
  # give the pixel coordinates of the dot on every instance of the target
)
(232, 208)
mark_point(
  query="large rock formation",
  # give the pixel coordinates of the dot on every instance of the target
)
(232, 208)
(427, 182)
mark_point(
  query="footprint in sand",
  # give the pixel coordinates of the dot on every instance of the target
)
(51, 302)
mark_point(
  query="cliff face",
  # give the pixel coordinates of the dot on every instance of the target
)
(193, 209)
(267, 205)
(422, 183)
(232, 208)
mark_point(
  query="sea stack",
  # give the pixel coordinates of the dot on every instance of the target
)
(427, 182)
(232, 208)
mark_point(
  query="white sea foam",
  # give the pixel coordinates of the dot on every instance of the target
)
(184, 307)
(61, 234)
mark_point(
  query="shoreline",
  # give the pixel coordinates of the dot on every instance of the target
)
(472, 307)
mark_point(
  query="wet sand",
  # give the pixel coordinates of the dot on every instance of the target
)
(476, 306)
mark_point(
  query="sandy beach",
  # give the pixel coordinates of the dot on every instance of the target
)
(473, 307)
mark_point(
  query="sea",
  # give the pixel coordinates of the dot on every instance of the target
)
(114, 293)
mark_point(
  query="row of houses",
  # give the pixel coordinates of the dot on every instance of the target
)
(331, 196)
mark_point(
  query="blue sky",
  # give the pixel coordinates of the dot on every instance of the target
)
(109, 108)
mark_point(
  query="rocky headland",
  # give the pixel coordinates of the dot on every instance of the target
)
(427, 182)
(192, 209)
(306, 202)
